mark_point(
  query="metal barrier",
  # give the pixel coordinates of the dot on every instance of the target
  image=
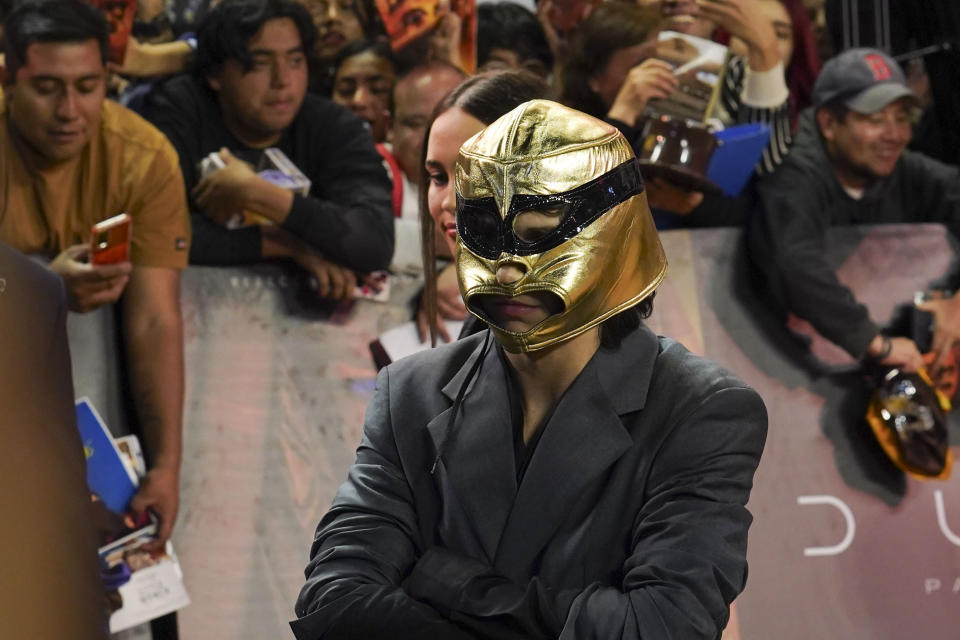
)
(842, 545)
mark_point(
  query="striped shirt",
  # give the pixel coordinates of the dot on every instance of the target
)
(732, 110)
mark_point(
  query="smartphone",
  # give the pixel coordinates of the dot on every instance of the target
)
(110, 240)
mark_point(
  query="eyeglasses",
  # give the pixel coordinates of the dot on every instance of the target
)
(538, 223)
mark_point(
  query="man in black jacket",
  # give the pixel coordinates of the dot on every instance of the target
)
(247, 94)
(849, 165)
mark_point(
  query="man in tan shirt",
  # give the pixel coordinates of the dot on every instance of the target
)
(69, 159)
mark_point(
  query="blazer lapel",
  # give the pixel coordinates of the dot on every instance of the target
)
(477, 453)
(582, 439)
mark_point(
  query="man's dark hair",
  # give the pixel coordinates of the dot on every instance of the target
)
(837, 109)
(506, 25)
(225, 32)
(615, 328)
(68, 21)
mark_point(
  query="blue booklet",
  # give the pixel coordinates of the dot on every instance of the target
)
(736, 155)
(107, 476)
(141, 583)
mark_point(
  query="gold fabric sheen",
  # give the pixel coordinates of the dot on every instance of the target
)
(544, 148)
(918, 442)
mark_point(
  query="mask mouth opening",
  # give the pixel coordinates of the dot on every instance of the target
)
(506, 313)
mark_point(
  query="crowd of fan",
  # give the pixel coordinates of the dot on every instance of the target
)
(318, 80)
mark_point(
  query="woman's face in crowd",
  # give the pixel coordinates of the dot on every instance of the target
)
(449, 131)
(776, 13)
(338, 24)
(363, 84)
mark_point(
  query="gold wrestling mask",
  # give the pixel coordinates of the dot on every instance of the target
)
(908, 416)
(557, 196)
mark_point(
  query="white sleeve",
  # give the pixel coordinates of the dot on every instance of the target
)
(765, 89)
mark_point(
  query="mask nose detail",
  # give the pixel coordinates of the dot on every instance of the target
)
(510, 271)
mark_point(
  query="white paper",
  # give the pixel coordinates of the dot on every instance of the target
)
(151, 592)
(404, 340)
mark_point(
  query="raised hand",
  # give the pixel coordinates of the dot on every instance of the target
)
(650, 79)
(88, 285)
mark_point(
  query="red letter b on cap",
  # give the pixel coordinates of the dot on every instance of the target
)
(879, 66)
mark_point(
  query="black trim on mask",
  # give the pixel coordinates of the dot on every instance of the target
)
(488, 235)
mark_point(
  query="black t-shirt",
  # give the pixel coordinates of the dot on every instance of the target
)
(522, 451)
(347, 216)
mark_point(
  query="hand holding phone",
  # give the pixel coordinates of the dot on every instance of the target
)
(110, 240)
(88, 285)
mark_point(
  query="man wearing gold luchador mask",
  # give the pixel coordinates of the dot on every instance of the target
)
(566, 473)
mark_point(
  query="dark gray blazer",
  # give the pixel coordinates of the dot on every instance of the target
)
(629, 522)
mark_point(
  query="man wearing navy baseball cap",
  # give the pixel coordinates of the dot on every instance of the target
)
(865, 80)
(857, 89)
(849, 165)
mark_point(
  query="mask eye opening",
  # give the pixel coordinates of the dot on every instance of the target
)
(537, 224)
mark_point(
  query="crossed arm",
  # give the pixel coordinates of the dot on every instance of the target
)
(371, 577)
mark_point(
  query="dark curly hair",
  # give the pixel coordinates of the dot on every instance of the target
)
(223, 33)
